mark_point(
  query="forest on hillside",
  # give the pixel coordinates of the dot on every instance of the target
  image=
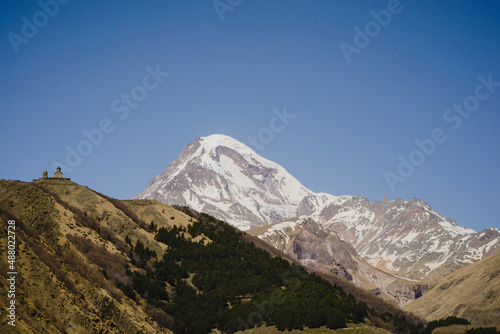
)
(221, 281)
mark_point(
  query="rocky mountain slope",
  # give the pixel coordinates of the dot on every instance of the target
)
(321, 249)
(472, 292)
(223, 177)
(404, 238)
(87, 263)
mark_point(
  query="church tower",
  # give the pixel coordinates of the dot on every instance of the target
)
(58, 174)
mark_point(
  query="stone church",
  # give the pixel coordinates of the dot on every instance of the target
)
(57, 175)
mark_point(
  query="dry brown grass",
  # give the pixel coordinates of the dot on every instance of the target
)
(62, 288)
(113, 265)
(472, 292)
(160, 213)
(125, 209)
(455, 329)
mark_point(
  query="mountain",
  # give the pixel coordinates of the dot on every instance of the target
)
(472, 292)
(225, 178)
(319, 248)
(405, 238)
(408, 239)
(88, 263)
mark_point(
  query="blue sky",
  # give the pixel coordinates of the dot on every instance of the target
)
(101, 67)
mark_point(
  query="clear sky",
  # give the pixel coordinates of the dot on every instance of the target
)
(360, 82)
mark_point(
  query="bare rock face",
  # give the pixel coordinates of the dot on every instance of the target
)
(406, 292)
(311, 244)
(226, 179)
(321, 249)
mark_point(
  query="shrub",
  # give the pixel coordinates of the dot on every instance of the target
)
(160, 316)
(445, 322)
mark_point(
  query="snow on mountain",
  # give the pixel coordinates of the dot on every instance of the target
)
(225, 178)
(405, 238)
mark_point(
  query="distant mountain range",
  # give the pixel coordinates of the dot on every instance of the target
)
(225, 178)
(405, 238)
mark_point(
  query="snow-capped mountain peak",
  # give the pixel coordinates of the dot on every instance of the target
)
(225, 178)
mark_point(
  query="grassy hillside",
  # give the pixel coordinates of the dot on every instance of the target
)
(88, 263)
(351, 329)
(473, 292)
(60, 288)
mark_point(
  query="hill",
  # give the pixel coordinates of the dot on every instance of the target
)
(473, 293)
(71, 256)
(87, 263)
